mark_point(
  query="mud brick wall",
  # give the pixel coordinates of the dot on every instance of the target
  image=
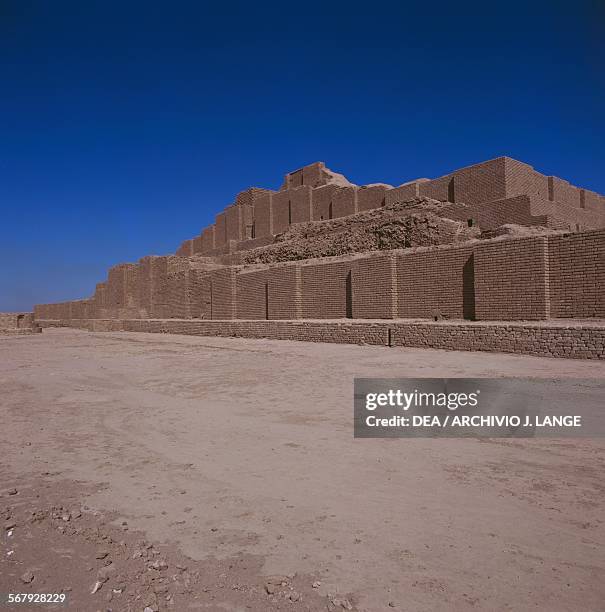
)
(160, 289)
(25, 319)
(371, 197)
(344, 202)
(222, 294)
(522, 179)
(100, 301)
(565, 216)
(511, 280)
(41, 311)
(248, 201)
(300, 204)
(438, 189)
(197, 301)
(79, 309)
(322, 202)
(437, 282)
(285, 300)
(327, 290)
(19, 320)
(197, 245)
(250, 196)
(205, 290)
(186, 249)
(271, 293)
(577, 275)
(145, 286)
(247, 221)
(517, 210)
(500, 279)
(294, 179)
(403, 193)
(480, 183)
(245, 245)
(208, 239)
(116, 286)
(280, 208)
(561, 191)
(61, 310)
(178, 303)
(491, 215)
(262, 216)
(220, 230)
(131, 288)
(8, 320)
(233, 223)
(312, 175)
(595, 202)
(252, 294)
(374, 287)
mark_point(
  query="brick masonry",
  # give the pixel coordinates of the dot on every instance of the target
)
(208, 239)
(222, 294)
(374, 287)
(20, 322)
(573, 342)
(300, 204)
(280, 211)
(533, 278)
(498, 191)
(220, 230)
(577, 275)
(511, 280)
(344, 202)
(326, 290)
(436, 283)
(252, 294)
(263, 225)
(370, 197)
(322, 202)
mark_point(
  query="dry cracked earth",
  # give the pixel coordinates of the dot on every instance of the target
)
(147, 472)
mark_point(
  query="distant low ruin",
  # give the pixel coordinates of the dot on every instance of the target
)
(18, 323)
(496, 241)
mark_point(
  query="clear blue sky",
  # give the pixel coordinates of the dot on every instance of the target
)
(126, 126)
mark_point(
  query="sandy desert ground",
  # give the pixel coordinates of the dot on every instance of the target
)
(186, 473)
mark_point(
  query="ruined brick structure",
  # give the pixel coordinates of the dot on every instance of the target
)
(18, 323)
(321, 248)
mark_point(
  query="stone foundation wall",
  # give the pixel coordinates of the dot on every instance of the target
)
(574, 342)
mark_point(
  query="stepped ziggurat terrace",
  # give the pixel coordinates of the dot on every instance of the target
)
(324, 259)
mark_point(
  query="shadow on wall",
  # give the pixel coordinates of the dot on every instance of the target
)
(349, 296)
(468, 288)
